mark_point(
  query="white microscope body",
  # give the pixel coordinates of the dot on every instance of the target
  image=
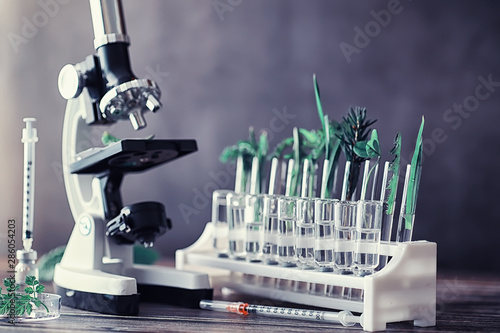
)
(97, 272)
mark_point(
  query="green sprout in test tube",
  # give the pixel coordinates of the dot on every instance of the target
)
(410, 192)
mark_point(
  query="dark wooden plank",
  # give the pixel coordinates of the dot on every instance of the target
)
(465, 303)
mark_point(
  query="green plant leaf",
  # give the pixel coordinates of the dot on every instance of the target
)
(394, 166)
(263, 145)
(108, 138)
(318, 103)
(332, 154)
(4, 307)
(23, 303)
(46, 308)
(47, 263)
(263, 151)
(414, 181)
(311, 137)
(373, 146)
(31, 280)
(296, 165)
(360, 149)
(29, 308)
(355, 128)
(20, 310)
(7, 282)
(278, 150)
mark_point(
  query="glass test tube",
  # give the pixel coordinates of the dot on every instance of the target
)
(287, 220)
(388, 210)
(304, 239)
(324, 234)
(220, 222)
(270, 216)
(236, 222)
(407, 213)
(344, 245)
(367, 236)
(254, 226)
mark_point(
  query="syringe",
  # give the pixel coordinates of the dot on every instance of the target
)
(27, 256)
(345, 318)
(29, 139)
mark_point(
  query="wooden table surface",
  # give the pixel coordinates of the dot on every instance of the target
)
(465, 303)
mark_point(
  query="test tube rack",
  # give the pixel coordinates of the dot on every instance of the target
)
(404, 290)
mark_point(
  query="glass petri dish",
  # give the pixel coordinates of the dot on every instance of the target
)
(38, 313)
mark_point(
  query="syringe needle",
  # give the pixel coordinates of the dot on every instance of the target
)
(345, 318)
(29, 138)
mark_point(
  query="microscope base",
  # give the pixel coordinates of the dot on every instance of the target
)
(95, 290)
(123, 305)
(98, 291)
(186, 298)
(168, 285)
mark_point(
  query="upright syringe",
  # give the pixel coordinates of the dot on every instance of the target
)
(27, 256)
(29, 139)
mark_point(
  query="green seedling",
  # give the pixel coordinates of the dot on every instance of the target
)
(22, 303)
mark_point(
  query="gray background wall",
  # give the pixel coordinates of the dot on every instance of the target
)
(221, 72)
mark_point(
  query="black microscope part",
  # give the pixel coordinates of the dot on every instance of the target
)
(141, 222)
(132, 155)
(115, 64)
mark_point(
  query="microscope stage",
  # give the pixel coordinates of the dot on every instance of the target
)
(132, 155)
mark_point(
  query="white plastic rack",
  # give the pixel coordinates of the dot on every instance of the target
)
(405, 289)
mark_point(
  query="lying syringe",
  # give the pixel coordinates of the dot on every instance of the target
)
(27, 256)
(345, 318)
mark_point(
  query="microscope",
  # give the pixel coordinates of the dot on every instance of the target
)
(97, 272)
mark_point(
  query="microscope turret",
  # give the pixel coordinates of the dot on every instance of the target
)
(116, 92)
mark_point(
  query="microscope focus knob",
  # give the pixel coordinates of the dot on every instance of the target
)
(70, 82)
